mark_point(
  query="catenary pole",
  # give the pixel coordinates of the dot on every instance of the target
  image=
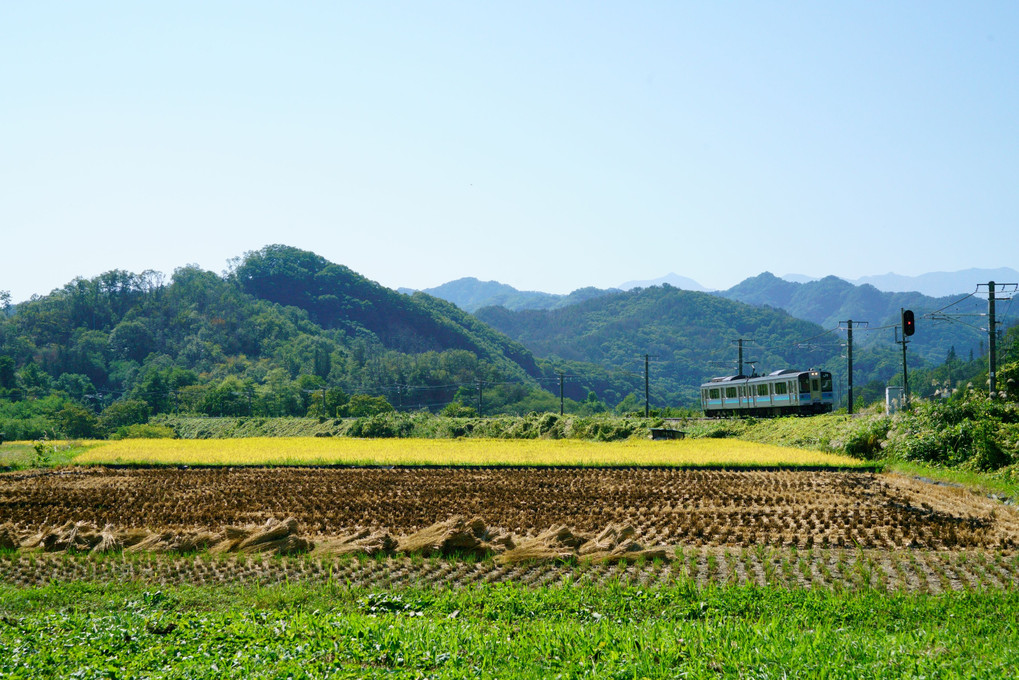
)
(992, 344)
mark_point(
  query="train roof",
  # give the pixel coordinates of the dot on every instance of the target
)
(757, 378)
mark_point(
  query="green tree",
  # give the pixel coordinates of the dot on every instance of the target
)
(8, 380)
(35, 381)
(77, 422)
(122, 413)
(231, 397)
(362, 405)
(74, 385)
(131, 340)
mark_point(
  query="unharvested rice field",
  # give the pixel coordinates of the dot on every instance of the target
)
(543, 452)
(452, 526)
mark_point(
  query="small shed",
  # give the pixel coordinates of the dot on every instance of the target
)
(658, 433)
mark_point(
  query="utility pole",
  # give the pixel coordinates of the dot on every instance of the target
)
(995, 292)
(647, 388)
(561, 400)
(647, 392)
(992, 341)
(739, 355)
(479, 396)
(849, 355)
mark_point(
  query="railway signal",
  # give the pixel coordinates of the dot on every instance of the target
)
(908, 322)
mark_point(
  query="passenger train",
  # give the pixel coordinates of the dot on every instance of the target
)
(785, 392)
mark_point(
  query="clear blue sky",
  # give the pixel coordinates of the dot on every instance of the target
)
(546, 145)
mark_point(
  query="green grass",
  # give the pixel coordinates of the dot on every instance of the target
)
(985, 483)
(20, 455)
(624, 631)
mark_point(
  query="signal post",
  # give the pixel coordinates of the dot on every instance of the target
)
(908, 328)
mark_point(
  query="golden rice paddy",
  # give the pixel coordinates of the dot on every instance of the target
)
(510, 452)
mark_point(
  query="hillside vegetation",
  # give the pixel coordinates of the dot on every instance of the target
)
(285, 333)
(692, 336)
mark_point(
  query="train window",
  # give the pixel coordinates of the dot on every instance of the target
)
(826, 383)
(714, 393)
(804, 384)
(780, 388)
(762, 390)
(730, 392)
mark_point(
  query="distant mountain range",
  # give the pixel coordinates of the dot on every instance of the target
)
(934, 284)
(471, 294)
(827, 302)
(674, 280)
(831, 302)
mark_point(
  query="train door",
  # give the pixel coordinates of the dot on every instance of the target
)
(804, 381)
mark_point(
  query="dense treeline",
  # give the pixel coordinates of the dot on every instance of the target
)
(285, 333)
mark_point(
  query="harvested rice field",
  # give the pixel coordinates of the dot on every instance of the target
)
(915, 571)
(451, 526)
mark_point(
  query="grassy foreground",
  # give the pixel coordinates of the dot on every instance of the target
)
(92, 631)
(311, 450)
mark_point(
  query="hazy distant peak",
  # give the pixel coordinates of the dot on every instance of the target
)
(471, 294)
(671, 278)
(798, 278)
(940, 284)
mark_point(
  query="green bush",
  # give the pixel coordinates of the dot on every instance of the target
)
(865, 440)
(143, 431)
(456, 409)
(123, 413)
(972, 432)
(381, 426)
(362, 405)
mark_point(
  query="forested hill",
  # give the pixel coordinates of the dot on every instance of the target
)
(691, 335)
(285, 333)
(337, 298)
(831, 300)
